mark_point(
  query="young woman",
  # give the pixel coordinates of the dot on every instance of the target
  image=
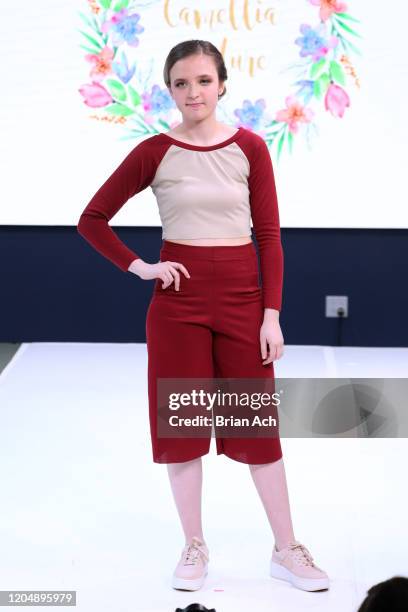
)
(208, 316)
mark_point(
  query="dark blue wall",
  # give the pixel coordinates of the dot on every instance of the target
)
(56, 288)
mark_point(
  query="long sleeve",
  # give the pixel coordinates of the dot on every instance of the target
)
(133, 175)
(265, 217)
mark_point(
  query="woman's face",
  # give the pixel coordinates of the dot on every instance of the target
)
(195, 79)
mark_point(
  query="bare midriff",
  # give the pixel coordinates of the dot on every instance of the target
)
(214, 241)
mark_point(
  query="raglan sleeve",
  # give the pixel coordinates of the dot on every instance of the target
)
(265, 218)
(132, 175)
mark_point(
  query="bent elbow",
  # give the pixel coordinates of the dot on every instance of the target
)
(83, 226)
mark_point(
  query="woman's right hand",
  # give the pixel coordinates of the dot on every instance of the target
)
(167, 271)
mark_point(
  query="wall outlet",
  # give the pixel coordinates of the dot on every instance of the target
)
(335, 304)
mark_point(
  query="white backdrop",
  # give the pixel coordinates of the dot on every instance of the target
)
(54, 155)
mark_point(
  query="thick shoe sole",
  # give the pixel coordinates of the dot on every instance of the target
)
(188, 584)
(306, 584)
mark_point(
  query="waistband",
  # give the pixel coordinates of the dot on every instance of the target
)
(222, 252)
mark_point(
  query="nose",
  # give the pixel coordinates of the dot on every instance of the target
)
(191, 93)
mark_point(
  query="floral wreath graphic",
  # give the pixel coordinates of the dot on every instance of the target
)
(112, 25)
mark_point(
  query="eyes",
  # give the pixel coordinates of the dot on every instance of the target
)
(201, 81)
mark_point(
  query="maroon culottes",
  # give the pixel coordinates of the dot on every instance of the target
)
(210, 328)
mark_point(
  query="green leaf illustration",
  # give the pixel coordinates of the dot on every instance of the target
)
(290, 141)
(87, 20)
(105, 3)
(164, 123)
(116, 89)
(92, 40)
(337, 73)
(347, 29)
(347, 44)
(140, 121)
(93, 50)
(346, 16)
(317, 67)
(272, 134)
(134, 96)
(280, 143)
(273, 129)
(93, 24)
(120, 5)
(119, 109)
(324, 82)
(97, 29)
(320, 86)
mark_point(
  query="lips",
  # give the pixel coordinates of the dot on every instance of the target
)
(195, 104)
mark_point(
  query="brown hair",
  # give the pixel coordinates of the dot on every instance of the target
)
(195, 47)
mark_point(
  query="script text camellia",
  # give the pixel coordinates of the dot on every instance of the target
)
(245, 13)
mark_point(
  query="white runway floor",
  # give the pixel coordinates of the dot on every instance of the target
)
(84, 508)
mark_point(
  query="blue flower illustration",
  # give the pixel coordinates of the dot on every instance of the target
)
(123, 70)
(314, 41)
(158, 101)
(305, 90)
(124, 28)
(251, 114)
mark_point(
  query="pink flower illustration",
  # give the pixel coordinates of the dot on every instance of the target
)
(336, 100)
(95, 95)
(294, 113)
(102, 63)
(328, 7)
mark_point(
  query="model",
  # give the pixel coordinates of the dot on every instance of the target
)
(208, 316)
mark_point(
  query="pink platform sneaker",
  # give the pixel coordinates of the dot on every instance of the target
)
(192, 568)
(294, 563)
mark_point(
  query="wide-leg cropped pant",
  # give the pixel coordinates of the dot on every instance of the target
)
(209, 328)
